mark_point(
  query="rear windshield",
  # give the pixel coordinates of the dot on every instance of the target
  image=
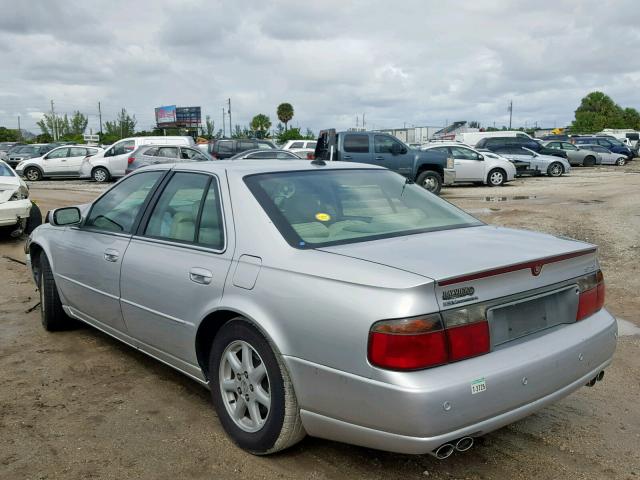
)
(331, 207)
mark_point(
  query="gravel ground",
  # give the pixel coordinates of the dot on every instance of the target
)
(78, 405)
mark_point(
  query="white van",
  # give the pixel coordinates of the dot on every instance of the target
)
(471, 138)
(113, 161)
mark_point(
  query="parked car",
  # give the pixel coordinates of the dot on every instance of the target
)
(227, 148)
(24, 152)
(431, 170)
(157, 154)
(332, 299)
(112, 163)
(5, 147)
(575, 155)
(300, 147)
(610, 143)
(17, 212)
(560, 136)
(273, 154)
(496, 143)
(64, 161)
(607, 156)
(474, 166)
(472, 138)
(528, 162)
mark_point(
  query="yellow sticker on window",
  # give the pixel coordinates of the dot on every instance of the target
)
(323, 217)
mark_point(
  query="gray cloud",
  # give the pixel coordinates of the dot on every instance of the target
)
(419, 62)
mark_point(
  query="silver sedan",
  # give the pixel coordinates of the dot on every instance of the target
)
(333, 299)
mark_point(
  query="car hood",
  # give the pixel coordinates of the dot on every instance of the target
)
(454, 254)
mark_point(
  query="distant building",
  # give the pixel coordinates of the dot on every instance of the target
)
(412, 134)
(449, 132)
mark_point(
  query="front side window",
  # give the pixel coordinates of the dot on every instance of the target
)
(116, 210)
(330, 207)
(224, 146)
(122, 148)
(555, 145)
(463, 153)
(385, 143)
(356, 143)
(188, 211)
(59, 153)
(244, 145)
(311, 144)
(191, 154)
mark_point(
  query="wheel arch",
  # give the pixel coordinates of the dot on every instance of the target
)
(424, 167)
(493, 168)
(35, 253)
(211, 325)
(36, 166)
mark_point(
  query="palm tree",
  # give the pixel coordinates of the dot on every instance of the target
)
(261, 124)
(285, 113)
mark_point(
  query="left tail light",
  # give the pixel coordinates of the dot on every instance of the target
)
(428, 341)
(130, 160)
(311, 156)
(592, 293)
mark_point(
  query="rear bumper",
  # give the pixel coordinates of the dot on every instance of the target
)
(409, 415)
(449, 176)
(12, 212)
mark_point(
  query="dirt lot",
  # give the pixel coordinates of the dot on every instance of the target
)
(78, 405)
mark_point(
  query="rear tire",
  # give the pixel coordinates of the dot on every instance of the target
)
(496, 177)
(33, 174)
(589, 161)
(555, 169)
(100, 174)
(430, 180)
(237, 384)
(621, 161)
(51, 313)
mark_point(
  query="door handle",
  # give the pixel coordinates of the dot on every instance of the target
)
(111, 255)
(347, 157)
(379, 158)
(200, 275)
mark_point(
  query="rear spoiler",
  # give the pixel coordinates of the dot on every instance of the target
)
(326, 147)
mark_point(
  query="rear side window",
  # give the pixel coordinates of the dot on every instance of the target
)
(356, 143)
(168, 152)
(77, 152)
(311, 144)
(150, 152)
(224, 146)
(297, 145)
(244, 145)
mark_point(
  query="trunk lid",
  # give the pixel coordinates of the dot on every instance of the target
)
(477, 264)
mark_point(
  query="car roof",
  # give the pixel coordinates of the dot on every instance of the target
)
(251, 167)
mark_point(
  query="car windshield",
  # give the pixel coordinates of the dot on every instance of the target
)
(330, 207)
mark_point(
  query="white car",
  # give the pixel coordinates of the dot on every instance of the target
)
(474, 166)
(302, 148)
(16, 210)
(112, 162)
(64, 161)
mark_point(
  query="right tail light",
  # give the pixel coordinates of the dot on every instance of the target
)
(130, 160)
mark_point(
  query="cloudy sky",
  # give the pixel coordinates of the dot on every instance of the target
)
(403, 62)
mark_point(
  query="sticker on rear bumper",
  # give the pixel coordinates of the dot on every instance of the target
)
(478, 386)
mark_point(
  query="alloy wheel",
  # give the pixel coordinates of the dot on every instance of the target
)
(496, 178)
(99, 175)
(244, 385)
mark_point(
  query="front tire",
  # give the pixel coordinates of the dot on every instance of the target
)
(496, 178)
(555, 169)
(621, 161)
(430, 180)
(251, 390)
(33, 174)
(100, 174)
(51, 313)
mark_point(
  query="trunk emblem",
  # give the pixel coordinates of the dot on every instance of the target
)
(536, 269)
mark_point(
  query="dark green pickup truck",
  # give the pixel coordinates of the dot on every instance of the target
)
(427, 168)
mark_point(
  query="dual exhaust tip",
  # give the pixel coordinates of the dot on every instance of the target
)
(447, 449)
(595, 379)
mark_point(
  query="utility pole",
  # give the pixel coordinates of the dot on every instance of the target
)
(510, 113)
(230, 123)
(19, 129)
(121, 122)
(100, 116)
(54, 130)
(363, 123)
(224, 130)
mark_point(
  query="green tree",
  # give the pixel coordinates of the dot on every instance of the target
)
(210, 127)
(310, 135)
(596, 112)
(78, 123)
(55, 127)
(9, 135)
(291, 134)
(631, 118)
(285, 113)
(261, 125)
(123, 126)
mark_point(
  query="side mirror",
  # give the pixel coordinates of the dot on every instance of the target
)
(66, 216)
(480, 157)
(396, 149)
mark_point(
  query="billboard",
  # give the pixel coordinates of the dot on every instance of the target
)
(166, 115)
